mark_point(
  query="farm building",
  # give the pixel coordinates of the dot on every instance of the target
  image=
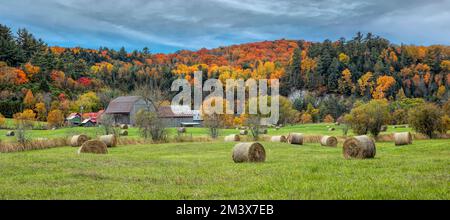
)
(93, 116)
(124, 109)
(184, 119)
(74, 119)
(88, 123)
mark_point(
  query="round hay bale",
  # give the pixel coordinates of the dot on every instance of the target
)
(277, 128)
(249, 152)
(337, 123)
(109, 140)
(181, 130)
(243, 132)
(295, 138)
(402, 138)
(123, 133)
(331, 129)
(10, 134)
(123, 126)
(232, 138)
(78, 140)
(359, 147)
(329, 141)
(384, 128)
(94, 147)
(281, 138)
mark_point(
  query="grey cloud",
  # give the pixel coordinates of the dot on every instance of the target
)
(177, 24)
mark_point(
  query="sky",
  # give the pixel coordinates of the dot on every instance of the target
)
(171, 25)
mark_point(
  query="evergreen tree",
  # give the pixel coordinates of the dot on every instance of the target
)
(333, 74)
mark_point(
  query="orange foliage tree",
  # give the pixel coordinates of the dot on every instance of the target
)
(384, 84)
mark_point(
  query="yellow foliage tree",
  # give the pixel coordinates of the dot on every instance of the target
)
(55, 118)
(344, 58)
(41, 111)
(365, 84)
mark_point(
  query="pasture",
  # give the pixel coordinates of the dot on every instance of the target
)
(307, 129)
(206, 171)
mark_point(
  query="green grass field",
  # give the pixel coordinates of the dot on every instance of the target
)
(206, 171)
(308, 129)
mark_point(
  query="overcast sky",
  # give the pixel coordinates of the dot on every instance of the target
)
(170, 25)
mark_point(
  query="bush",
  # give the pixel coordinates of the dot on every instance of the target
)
(328, 119)
(2, 121)
(369, 117)
(306, 118)
(426, 119)
(399, 117)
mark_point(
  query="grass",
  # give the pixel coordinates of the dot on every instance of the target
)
(206, 171)
(308, 129)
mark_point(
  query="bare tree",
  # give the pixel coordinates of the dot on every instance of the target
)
(149, 121)
(108, 124)
(213, 122)
(254, 123)
(151, 126)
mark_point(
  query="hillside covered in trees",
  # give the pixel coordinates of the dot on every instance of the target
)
(36, 76)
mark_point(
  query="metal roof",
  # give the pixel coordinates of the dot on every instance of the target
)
(122, 104)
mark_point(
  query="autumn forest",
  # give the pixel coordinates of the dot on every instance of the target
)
(36, 76)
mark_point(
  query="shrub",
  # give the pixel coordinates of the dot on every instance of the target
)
(306, 118)
(328, 119)
(399, 117)
(426, 119)
(2, 121)
(369, 117)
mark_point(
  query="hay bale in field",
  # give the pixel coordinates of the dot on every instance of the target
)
(280, 138)
(295, 138)
(93, 146)
(359, 147)
(277, 128)
(249, 152)
(400, 126)
(243, 132)
(402, 138)
(123, 126)
(384, 128)
(10, 134)
(181, 130)
(331, 129)
(123, 133)
(232, 138)
(109, 140)
(329, 141)
(78, 140)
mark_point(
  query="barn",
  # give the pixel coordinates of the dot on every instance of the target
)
(124, 109)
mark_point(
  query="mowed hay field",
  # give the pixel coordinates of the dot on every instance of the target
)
(307, 129)
(206, 171)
